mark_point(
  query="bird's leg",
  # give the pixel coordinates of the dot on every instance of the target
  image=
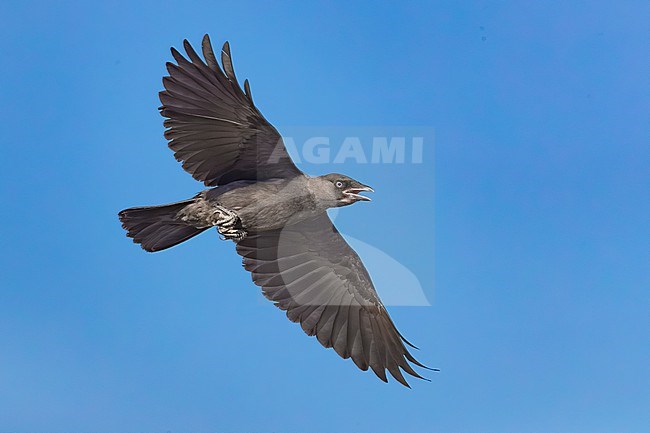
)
(204, 214)
(227, 222)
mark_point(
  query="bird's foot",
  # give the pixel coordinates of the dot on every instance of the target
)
(227, 222)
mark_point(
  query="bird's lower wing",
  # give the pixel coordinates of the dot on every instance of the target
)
(311, 272)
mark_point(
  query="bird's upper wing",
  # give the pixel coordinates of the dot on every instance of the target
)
(310, 271)
(213, 126)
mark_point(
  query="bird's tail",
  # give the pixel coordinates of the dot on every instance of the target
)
(157, 228)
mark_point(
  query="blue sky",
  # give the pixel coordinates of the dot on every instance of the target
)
(527, 227)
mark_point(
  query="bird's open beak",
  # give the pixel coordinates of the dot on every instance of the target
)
(353, 192)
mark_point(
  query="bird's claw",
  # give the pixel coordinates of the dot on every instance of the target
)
(231, 234)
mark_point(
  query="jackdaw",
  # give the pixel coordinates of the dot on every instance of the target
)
(275, 214)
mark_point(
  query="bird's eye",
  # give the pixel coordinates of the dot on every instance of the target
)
(339, 184)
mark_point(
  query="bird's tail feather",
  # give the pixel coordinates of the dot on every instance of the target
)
(157, 228)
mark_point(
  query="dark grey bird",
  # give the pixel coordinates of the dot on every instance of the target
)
(274, 213)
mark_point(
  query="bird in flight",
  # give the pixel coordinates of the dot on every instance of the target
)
(274, 213)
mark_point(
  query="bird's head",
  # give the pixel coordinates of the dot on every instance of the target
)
(341, 190)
